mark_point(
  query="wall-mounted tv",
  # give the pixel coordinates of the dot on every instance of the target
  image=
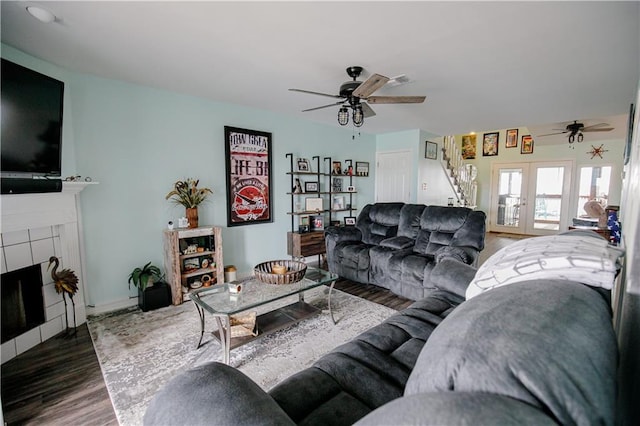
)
(31, 117)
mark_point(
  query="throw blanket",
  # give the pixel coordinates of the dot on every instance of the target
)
(579, 258)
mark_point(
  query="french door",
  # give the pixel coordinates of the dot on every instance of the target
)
(530, 198)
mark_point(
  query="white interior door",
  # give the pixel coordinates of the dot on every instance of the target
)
(530, 198)
(393, 176)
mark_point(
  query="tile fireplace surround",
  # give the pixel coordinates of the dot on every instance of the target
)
(35, 227)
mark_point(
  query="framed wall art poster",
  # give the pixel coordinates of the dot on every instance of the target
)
(490, 144)
(527, 145)
(362, 168)
(469, 147)
(431, 150)
(512, 138)
(248, 167)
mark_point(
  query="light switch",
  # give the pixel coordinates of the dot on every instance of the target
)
(424, 186)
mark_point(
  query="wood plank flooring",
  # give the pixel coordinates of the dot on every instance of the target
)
(60, 381)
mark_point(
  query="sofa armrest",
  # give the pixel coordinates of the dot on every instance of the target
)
(338, 234)
(214, 393)
(461, 254)
(452, 276)
(398, 243)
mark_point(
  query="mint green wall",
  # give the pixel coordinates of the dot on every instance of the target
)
(137, 141)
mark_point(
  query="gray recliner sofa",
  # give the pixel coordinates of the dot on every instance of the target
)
(534, 352)
(397, 245)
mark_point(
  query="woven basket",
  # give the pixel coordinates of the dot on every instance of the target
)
(295, 272)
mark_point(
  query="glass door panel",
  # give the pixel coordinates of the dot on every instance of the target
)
(507, 198)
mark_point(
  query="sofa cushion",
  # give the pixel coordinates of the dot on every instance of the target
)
(547, 343)
(449, 226)
(379, 221)
(397, 242)
(409, 224)
(456, 408)
(572, 257)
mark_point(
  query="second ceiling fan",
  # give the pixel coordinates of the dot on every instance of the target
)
(357, 95)
(574, 130)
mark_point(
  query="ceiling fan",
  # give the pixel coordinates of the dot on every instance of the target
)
(357, 96)
(575, 130)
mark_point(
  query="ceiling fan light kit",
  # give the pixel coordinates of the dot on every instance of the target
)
(355, 95)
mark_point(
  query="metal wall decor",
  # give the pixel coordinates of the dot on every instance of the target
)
(248, 166)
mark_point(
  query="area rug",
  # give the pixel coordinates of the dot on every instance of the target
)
(140, 351)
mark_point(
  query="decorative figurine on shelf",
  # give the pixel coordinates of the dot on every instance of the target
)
(65, 282)
(297, 188)
(349, 171)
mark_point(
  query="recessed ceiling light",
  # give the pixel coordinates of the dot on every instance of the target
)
(41, 14)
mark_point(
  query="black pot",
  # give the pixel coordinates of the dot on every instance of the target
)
(154, 297)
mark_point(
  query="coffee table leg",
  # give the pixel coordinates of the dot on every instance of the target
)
(225, 336)
(329, 301)
(201, 315)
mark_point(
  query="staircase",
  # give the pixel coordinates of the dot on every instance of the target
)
(462, 176)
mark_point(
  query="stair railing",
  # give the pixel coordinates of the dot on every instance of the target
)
(462, 176)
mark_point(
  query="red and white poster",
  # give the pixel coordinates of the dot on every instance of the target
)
(248, 155)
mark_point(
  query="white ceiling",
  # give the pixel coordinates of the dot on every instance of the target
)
(481, 65)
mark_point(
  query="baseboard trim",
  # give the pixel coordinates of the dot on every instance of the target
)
(110, 307)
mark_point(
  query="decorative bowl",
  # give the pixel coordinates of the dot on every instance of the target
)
(294, 271)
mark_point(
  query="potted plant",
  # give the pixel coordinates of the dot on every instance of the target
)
(153, 292)
(186, 193)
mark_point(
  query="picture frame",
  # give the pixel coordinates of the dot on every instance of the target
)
(317, 222)
(314, 204)
(351, 188)
(526, 146)
(362, 168)
(336, 184)
(349, 221)
(304, 224)
(248, 176)
(338, 202)
(303, 165)
(336, 168)
(431, 150)
(512, 138)
(468, 147)
(490, 144)
(311, 187)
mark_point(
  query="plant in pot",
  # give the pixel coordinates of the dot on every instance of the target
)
(186, 193)
(153, 291)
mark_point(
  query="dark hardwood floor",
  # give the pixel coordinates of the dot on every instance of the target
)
(60, 382)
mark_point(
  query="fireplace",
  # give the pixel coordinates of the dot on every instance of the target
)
(22, 303)
(35, 227)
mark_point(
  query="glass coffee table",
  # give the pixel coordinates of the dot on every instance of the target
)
(222, 304)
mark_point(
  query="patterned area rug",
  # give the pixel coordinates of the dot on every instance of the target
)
(140, 351)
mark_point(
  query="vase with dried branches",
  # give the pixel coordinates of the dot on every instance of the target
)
(186, 193)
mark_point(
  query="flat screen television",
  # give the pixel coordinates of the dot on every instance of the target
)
(31, 117)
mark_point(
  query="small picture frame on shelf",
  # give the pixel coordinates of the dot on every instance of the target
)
(350, 221)
(313, 204)
(336, 184)
(191, 264)
(338, 202)
(311, 187)
(304, 224)
(351, 188)
(303, 165)
(336, 168)
(317, 222)
(362, 168)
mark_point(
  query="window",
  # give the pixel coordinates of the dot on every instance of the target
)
(594, 185)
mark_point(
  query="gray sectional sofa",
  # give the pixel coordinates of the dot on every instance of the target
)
(397, 245)
(536, 351)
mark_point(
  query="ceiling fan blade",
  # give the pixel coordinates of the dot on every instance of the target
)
(595, 125)
(558, 133)
(324, 106)
(316, 93)
(396, 99)
(600, 129)
(372, 84)
(367, 111)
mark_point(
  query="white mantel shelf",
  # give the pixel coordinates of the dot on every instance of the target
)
(75, 187)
